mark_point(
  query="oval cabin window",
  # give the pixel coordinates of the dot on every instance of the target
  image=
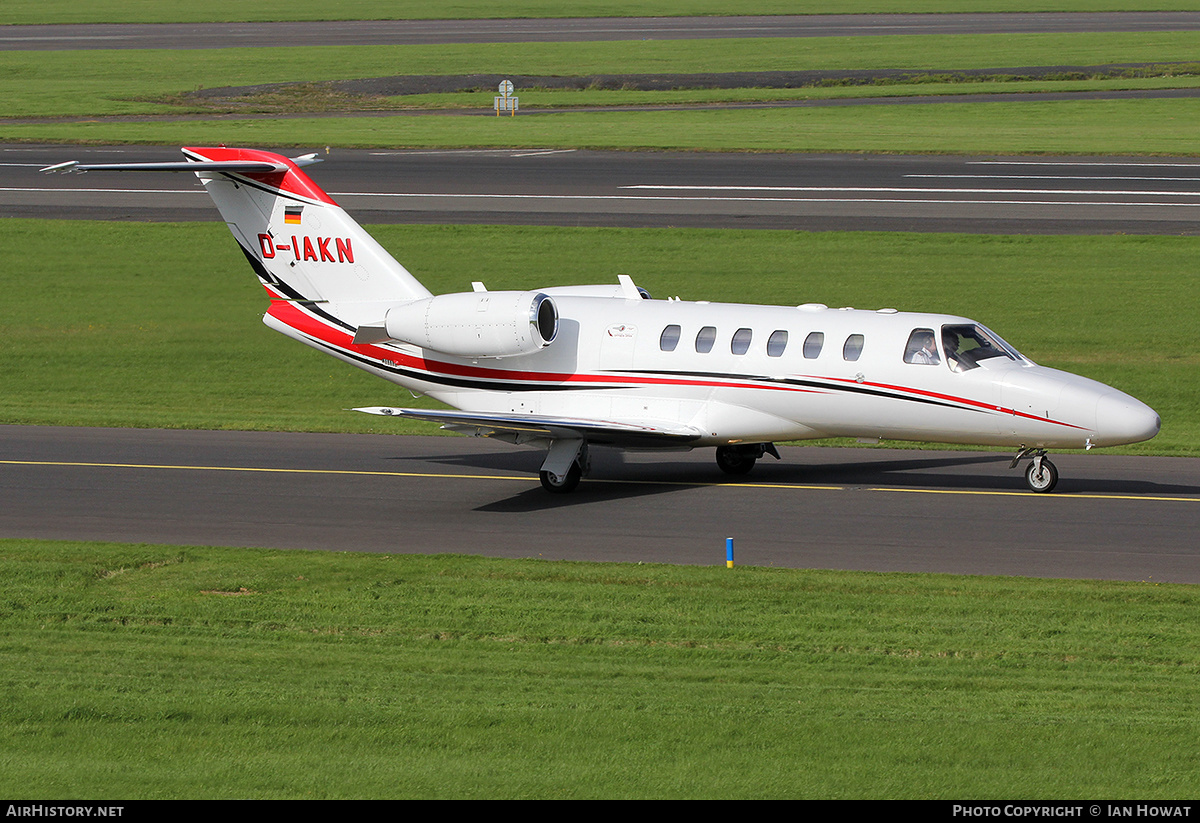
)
(741, 341)
(853, 348)
(776, 343)
(813, 344)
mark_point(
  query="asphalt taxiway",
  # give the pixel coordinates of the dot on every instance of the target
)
(1113, 517)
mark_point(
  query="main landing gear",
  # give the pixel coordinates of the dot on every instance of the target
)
(740, 459)
(566, 463)
(1041, 476)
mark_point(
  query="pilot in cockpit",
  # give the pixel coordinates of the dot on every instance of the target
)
(950, 343)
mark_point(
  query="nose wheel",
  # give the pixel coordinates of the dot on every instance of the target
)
(1041, 475)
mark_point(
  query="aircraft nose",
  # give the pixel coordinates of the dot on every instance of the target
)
(1122, 419)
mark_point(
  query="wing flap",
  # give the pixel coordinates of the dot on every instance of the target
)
(631, 433)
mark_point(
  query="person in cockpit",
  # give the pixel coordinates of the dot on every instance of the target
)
(921, 349)
(950, 343)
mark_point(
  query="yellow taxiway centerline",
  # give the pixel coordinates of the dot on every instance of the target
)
(526, 479)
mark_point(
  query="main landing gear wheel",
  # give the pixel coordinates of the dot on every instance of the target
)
(561, 484)
(741, 458)
(732, 461)
(1042, 475)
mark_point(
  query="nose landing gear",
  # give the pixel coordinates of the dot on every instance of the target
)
(1041, 476)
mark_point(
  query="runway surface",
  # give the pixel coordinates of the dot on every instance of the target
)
(417, 32)
(889, 510)
(994, 195)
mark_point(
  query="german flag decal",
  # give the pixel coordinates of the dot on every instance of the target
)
(291, 214)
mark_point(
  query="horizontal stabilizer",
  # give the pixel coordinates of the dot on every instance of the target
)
(231, 166)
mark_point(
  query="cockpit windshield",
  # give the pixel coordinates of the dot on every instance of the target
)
(967, 346)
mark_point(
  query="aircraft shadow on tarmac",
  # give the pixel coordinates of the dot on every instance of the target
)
(644, 475)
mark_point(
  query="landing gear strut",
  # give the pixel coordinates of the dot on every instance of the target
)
(1041, 476)
(740, 459)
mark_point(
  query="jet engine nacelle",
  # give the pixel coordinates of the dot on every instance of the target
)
(476, 324)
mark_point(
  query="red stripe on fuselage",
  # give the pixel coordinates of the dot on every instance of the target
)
(966, 401)
(292, 315)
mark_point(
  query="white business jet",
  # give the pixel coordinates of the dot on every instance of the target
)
(570, 367)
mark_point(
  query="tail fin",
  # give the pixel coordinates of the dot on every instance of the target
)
(299, 242)
(326, 275)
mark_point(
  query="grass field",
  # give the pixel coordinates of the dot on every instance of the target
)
(129, 81)
(168, 672)
(128, 324)
(77, 83)
(152, 11)
(102, 90)
(1122, 127)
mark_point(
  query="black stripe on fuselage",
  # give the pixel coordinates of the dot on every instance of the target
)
(811, 384)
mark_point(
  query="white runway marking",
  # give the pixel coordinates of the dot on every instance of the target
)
(634, 198)
(907, 190)
(1051, 177)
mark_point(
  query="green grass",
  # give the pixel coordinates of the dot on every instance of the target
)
(128, 324)
(98, 85)
(1099, 127)
(316, 97)
(153, 11)
(93, 83)
(167, 672)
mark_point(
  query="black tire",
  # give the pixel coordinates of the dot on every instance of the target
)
(556, 484)
(732, 460)
(1042, 482)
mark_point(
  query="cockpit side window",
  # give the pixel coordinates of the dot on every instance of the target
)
(921, 348)
(968, 345)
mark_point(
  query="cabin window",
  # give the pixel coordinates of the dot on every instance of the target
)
(705, 339)
(669, 339)
(921, 349)
(813, 344)
(852, 349)
(741, 341)
(776, 343)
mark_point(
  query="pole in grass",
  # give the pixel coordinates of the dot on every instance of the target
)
(729, 552)
(506, 102)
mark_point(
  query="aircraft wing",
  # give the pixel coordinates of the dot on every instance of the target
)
(524, 427)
